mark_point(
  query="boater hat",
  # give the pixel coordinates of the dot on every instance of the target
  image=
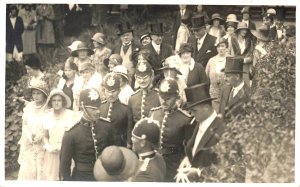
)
(116, 163)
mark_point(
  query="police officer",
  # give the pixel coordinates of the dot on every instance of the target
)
(145, 139)
(175, 126)
(143, 99)
(113, 111)
(85, 141)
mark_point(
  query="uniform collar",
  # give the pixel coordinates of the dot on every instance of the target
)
(145, 155)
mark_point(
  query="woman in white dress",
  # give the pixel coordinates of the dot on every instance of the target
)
(55, 122)
(31, 157)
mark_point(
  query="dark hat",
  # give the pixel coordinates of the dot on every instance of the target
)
(123, 27)
(186, 19)
(241, 25)
(262, 33)
(197, 22)
(234, 65)
(185, 47)
(90, 98)
(114, 58)
(216, 16)
(82, 46)
(116, 163)
(290, 30)
(156, 28)
(111, 82)
(147, 129)
(197, 94)
(171, 63)
(33, 62)
(86, 66)
(61, 93)
(232, 24)
(146, 53)
(39, 85)
(99, 37)
(143, 69)
(168, 86)
(245, 10)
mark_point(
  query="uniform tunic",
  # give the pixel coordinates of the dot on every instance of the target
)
(176, 129)
(117, 114)
(80, 144)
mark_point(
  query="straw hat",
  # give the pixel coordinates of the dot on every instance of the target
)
(61, 93)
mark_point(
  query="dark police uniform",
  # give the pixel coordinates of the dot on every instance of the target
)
(83, 143)
(176, 128)
(117, 114)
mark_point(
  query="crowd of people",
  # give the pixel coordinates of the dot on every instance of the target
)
(140, 112)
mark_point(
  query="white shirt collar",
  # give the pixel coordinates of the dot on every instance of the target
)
(192, 64)
(155, 46)
(209, 120)
(238, 88)
(201, 39)
(126, 44)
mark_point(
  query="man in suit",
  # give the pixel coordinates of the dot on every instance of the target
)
(235, 92)
(126, 47)
(203, 43)
(246, 18)
(206, 134)
(158, 49)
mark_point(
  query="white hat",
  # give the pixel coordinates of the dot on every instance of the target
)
(271, 11)
(61, 93)
(121, 70)
(74, 45)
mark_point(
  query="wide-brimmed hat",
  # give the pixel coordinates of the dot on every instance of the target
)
(231, 18)
(113, 58)
(216, 16)
(33, 62)
(61, 93)
(198, 22)
(234, 65)
(111, 82)
(262, 33)
(147, 129)
(171, 63)
(197, 94)
(90, 98)
(245, 10)
(39, 85)
(241, 25)
(121, 70)
(116, 163)
(185, 47)
(74, 45)
(86, 66)
(99, 37)
(123, 27)
(156, 28)
(168, 86)
(82, 46)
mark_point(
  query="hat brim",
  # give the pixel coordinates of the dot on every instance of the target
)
(36, 88)
(75, 53)
(101, 42)
(178, 72)
(130, 168)
(259, 36)
(238, 29)
(188, 105)
(125, 31)
(232, 71)
(67, 99)
(197, 28)
(222, 21)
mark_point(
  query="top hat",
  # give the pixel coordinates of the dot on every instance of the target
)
(168, 86)
(245, 10)
(121, 70)
(197, 22)
(234, 65)
(185, 47)
(33, 62)
(115, 163)
(123, 27)
(156, 28)
(99, 37)
(61, 93)
(171, 63)
(147, 129)
(241, 25)
(90, 98)
(111, 82)
(197, 94)
(82, 46)
(143, 69)
(262, 33)
(216, 16)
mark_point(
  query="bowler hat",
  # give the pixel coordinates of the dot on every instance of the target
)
(111, 82)
(123, 27)
(116, 163)
(34, 63)
(197, 94)
(61, 93)
(185, 47)
(216, 16)
(99, 37)
(171, 63)
(156, 29)
(147, 129)
(234, 65)
(90, 98)
(168, 86)
(143, 69)
(262, 33)
(241, 25)
(197, 22)
(82, 46)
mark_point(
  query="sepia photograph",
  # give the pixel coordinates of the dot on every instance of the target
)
(164, 93)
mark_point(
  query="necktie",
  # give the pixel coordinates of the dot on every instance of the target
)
(231, 95)
(197, 139)
(125, 48)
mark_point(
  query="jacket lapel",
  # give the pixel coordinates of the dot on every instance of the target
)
(190, 143)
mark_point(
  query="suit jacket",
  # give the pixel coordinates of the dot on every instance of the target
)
(252, 25)
(197, 75)
(14, 35)
(234, 107)
(117, 48)
(204, 156)
(207, 50)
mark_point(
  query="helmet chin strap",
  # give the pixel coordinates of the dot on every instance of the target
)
(88, 116)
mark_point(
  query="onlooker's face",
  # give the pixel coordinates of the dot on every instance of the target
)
(30, 71)
(221, 48)
(144, 82)
(232, 79)
(126, 37)
(111, 96)
(246, 16)
(96, 44)
(38, 96)
(167, 102)
(70, 73)
(216, 22)
(267, 21)
(146, 40)
(13, 12)
(157, 39)
(199, 33)
(243, 32)
(186, 57)
(92, 113)
(111, 65)
(141, 59)
(82, 54)
(86, 74)
(230, 30)
(57, 102)
(199, 8)
(201, 111)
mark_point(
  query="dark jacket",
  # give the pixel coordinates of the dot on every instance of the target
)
(117, 48)
(14, 35)
(197, 75)
(207, 50)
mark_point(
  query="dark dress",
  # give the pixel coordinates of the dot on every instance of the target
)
(68, 91)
